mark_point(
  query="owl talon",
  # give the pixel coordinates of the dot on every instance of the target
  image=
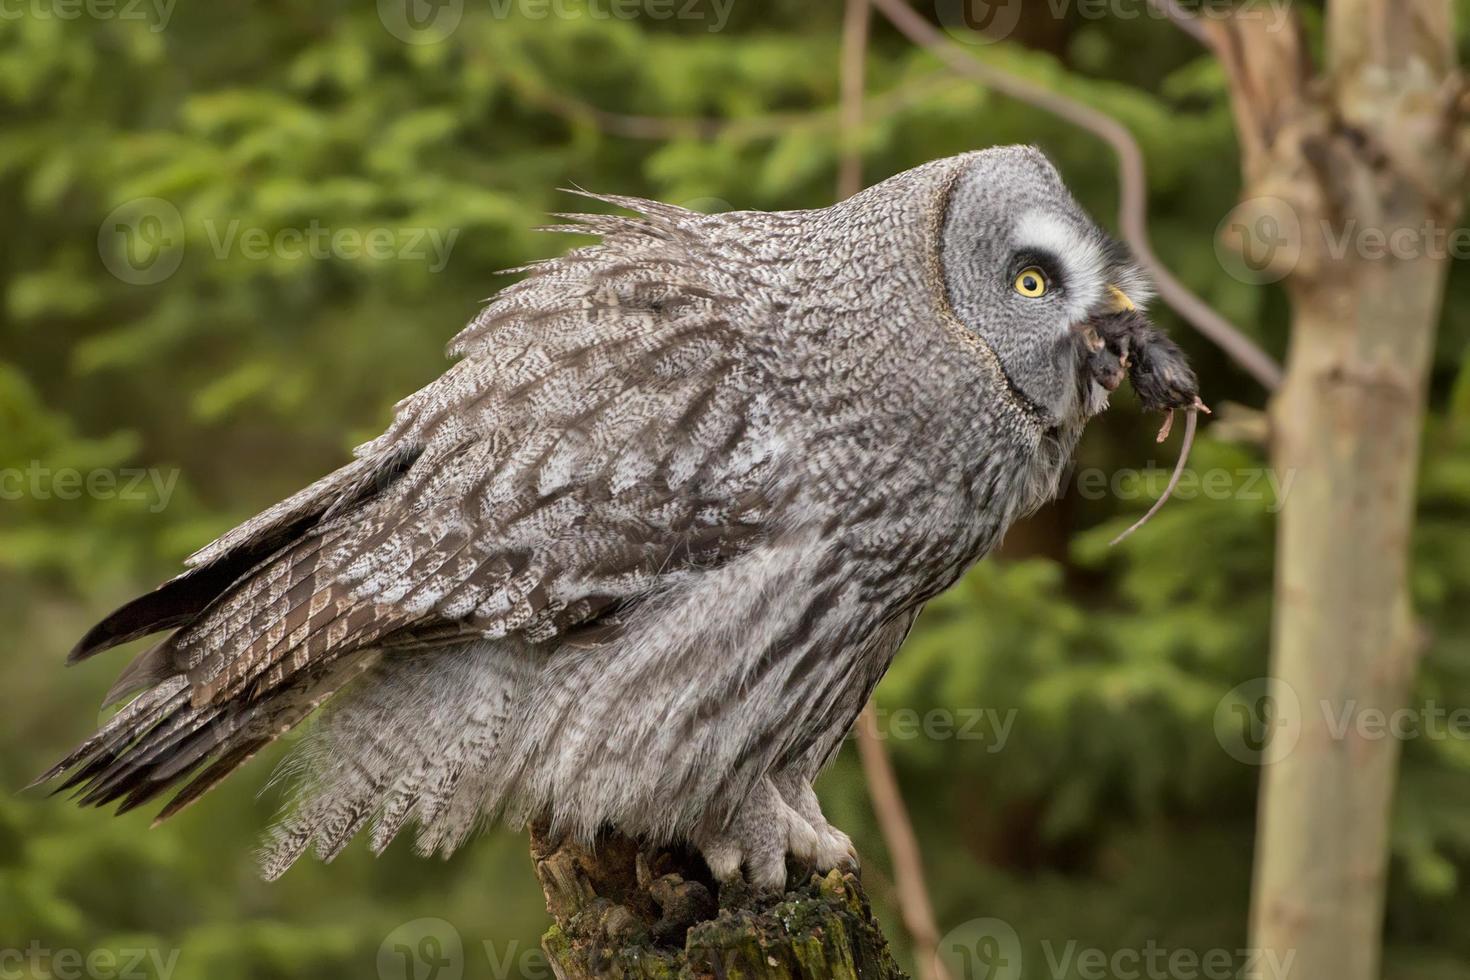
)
(753, 846)
(833, 848)
(724, 860)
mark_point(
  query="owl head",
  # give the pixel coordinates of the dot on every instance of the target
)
(1024, 267)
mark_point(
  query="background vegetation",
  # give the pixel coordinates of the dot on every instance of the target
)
(1109, 814)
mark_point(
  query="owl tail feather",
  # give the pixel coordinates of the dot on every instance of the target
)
(161, 737)
(415, 743)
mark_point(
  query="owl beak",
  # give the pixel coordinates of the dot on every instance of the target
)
(1118, 301)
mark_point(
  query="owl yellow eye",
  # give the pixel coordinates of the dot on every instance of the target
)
(1031, 283)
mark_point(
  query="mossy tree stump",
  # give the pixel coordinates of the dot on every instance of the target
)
(624, 912)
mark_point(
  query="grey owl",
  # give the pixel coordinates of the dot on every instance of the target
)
(641, 554)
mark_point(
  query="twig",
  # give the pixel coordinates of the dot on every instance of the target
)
(853, 67)
(707, 127)
(903, 845)
(1133, 201)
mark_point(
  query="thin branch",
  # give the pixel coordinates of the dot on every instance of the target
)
(903, 845)
(1133, 201)
(853, 67)
(661, 128)
(1268, 70)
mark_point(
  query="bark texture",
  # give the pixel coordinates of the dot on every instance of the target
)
(1352, 171)
(623, 912)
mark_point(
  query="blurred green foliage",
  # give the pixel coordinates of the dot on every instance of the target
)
(1053, 717)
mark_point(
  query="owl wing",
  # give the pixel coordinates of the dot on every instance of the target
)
(603, 431)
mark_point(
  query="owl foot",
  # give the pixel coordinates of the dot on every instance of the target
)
(835, 849)
(763, 832)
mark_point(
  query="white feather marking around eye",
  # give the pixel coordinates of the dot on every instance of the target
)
(1082, 259)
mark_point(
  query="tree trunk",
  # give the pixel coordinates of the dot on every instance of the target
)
(1353, 179)
(1346, 428)
(625, 912)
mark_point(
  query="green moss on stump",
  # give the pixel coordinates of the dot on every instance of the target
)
(650, 916)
